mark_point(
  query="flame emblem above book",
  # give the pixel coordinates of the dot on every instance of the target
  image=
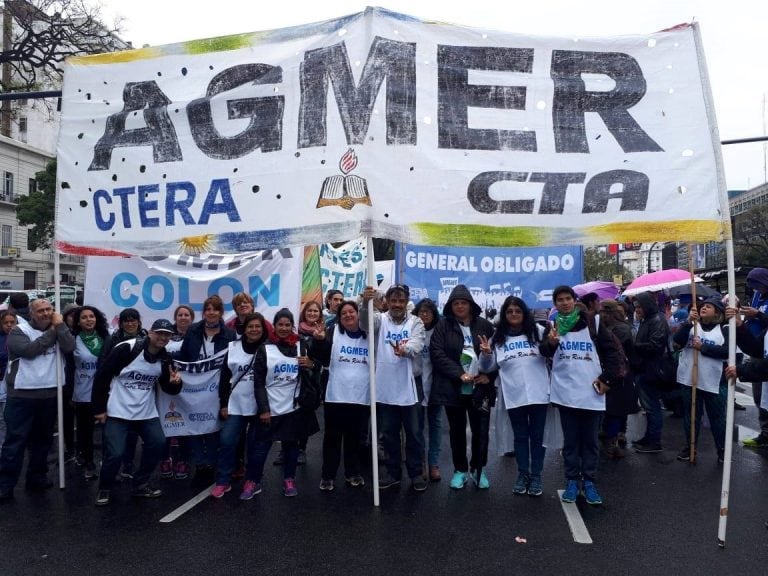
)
(344, 189)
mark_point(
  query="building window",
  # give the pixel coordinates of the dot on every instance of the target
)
(32, 186)
(30, 280)
(6, 236)
(29, 239)
(8, 187)
(23, 129)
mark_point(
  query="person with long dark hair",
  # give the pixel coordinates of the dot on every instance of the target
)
(513, 350)
(344, 350)
(430, 417)
(8, 322)
(280, 369)
(238, 405)
(89, 326)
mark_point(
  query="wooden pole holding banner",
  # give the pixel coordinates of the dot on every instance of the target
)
(372, 374)
(695, 367)
(59, 371)
(726, 484)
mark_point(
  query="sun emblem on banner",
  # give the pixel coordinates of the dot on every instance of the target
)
(195, 245)
(344, 189)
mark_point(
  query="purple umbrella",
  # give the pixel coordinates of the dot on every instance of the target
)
(604, 290)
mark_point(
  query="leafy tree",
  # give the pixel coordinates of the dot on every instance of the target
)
(38, 208)
(600, 265)
(750, 237)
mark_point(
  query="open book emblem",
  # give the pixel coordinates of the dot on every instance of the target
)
(344, 189)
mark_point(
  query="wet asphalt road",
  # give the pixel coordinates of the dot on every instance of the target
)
(660, 517)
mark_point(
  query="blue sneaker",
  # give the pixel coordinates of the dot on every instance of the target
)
(571, 491)
(483, 483)
(534, 486)
(591, 494)
(521, 486)
(459, 480)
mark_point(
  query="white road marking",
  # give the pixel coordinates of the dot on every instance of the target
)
(575, 521)
(187, 506)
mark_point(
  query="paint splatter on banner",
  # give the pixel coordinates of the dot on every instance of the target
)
(382, 124)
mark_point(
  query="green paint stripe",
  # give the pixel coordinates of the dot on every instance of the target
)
(220, 44)
(479, 235)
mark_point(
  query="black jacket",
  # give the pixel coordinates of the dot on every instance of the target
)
(446, 346)
(652, 338)
(119, 358)
(193, 341)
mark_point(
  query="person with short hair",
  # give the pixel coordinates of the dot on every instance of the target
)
(398, 339)
(205, 339)
(756, 321)
(30, 410)
(124, 390)
(586, 363)
(333, 298)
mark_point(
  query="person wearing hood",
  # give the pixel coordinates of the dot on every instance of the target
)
(459, 385)
(756, 315)
(426, 309)
(651, 343)
(398, 341)
(711, 386)
(587, 361)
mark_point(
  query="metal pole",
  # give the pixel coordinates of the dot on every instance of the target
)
(726, 484)
(372, 374)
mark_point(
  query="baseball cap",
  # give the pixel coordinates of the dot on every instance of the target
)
(162, 325)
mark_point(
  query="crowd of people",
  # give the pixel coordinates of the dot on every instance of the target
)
(589, 364)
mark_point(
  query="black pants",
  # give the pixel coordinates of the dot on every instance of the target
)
(342, 427)
(84, 431)
(479, 424)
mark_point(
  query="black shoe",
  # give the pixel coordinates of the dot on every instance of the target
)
(102, 498)
(640, 442)
(649, 448)
(737, 406)
(204, 476)
(146, 491)
(685, 454)
(39, 486)
(387, 481)
(720, 456)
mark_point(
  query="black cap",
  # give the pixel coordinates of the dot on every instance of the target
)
(162, 325)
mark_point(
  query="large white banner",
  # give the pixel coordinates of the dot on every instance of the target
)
(156, 286)
(382, 124)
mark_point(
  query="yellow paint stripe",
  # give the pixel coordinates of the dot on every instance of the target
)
(116, 57)
(620, 232)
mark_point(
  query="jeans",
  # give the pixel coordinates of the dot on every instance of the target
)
(84, 431)
(528, 425)
(581, 447)
(650, 400)
(434, 422)
(229, 440)
(342, 427)
(114, 439)
(2, 422)
(29, 425)
(715, 405)
(204, 448)
(479, 424)
(391, 419)
(260, 437)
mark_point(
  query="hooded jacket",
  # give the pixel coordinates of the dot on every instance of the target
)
(446, 346)
(652, 339)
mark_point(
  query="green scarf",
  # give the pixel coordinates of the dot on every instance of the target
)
(567, 321)
(93, 342)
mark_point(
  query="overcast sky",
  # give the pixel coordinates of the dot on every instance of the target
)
(733, 35)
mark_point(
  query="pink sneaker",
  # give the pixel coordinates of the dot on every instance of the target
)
(289, 488)
(220, 489)
(250, 489)
(181, 470)
(166, 468)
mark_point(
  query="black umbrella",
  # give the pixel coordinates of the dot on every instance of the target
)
(702, 291)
